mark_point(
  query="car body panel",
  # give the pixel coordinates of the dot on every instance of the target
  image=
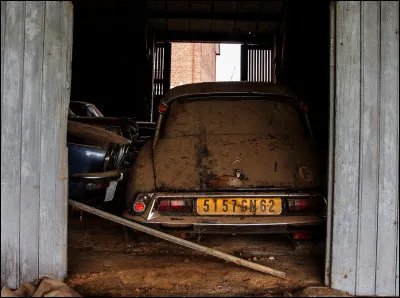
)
(81, 133)
(142, 174)
(87, 149)
(84, 159)
(234, 139)
(213, 143)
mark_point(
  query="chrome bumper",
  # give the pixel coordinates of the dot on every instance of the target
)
(151, 211)
(230, 224)
(96, 177)
(279, 223)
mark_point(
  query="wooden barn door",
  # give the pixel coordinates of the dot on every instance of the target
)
(364, 189)
(36, 48)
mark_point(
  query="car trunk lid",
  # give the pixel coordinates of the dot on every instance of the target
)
(231, 145)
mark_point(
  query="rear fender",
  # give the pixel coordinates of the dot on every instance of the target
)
(141, 178)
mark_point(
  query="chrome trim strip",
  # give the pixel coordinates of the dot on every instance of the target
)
(96, 177)
(151, 213)
(234, 194)
(229, 220)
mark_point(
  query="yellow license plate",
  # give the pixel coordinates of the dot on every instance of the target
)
(239, 206)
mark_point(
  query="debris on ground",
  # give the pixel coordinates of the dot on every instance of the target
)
(41, 288)
(320, 292)
(154, 267)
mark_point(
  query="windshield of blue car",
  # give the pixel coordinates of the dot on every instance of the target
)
(95, 111)
(224, 116)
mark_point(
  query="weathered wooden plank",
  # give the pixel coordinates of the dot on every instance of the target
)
(30, 154)
(369, 147)
(398, 255)
(389, 151)
(11, 140)
(3, 26)
(51, 225)
(331, 160)
(347, 121)
(179, 241)
(61, 203)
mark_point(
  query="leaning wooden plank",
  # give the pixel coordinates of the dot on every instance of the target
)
(177, 240)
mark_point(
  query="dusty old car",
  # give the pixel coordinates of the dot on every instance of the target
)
(228, 157)
(84, 109)
(127, 127)
(95, 158)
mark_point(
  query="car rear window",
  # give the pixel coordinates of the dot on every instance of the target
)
(233, 117)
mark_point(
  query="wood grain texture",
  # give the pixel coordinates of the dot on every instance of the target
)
(36, 52)
(387, 240)
(53, 227)
(331, 159)
(11, 112)
(347, 125)
(61, 203)
(369, 147)
(30, 154)
(366, 166)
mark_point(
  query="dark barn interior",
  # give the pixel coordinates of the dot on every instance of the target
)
(113, 49)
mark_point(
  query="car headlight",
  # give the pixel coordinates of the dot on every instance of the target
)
(115, 155)
(107, 158)
(123, 150)
(128, 132)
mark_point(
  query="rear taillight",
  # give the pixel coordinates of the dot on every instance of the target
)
(139, 207)
(164, 205)
(178, 205)
(304, 235)
(307, 204)
(141, 202)
(172, 205)
(304, 106)
(162, 108)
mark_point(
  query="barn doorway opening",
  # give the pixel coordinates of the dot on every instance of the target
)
(122, 82)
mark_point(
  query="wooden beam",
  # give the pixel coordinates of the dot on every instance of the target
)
(206, 15)
(177, 240)
(266, 39)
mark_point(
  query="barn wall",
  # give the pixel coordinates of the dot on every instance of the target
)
(36, 48)
(365, 241)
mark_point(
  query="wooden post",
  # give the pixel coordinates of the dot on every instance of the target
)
(177, 240)
(36, 47)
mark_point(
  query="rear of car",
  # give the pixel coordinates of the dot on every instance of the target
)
(229, 163)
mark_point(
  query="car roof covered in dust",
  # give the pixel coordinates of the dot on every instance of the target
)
(221, 88)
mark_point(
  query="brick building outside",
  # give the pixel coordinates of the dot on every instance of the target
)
(193, 63)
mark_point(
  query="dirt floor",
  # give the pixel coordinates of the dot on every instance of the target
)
(103, 260)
